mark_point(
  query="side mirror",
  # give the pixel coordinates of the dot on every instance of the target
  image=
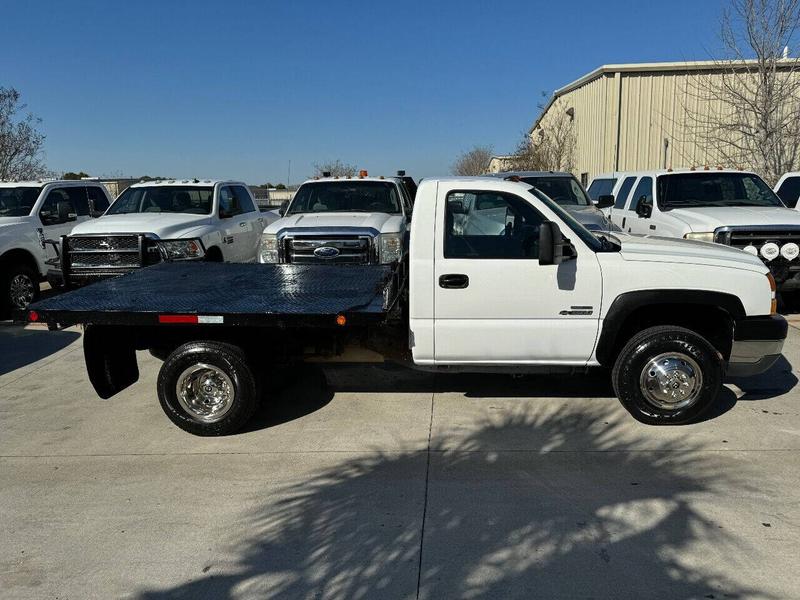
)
(605, 201)
(554, 248)
(284, 207)
(456, 207)
(645, 207)
(66, 212)
(93, 212)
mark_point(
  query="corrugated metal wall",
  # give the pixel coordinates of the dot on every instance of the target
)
(652, 107)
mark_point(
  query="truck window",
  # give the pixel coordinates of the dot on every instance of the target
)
(643, 190)
(624, 190)
(97, 198)
(789, 191)
(18, 201)
(74, 196)
(243, 198)
(485, 224)
(601, 187)
(163, 198)
(346, 196)
(681, 190)
(564, 191)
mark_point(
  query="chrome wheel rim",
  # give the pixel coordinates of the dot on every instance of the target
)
(671, 381)
(205, 392)
(21, 290)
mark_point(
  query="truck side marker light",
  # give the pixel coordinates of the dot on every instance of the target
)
(33, 316)
(341, 320)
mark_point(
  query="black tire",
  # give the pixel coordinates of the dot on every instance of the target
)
(13, 275)
(225, 358)
(629, 377)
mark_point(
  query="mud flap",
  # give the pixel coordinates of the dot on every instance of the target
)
(110, 359)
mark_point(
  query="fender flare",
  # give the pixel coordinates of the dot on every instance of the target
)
(625, 304)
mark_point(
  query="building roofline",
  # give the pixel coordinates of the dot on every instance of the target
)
(676, 66)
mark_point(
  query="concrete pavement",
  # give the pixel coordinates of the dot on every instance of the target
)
(392, 484)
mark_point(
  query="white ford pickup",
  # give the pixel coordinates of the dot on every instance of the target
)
(521, 287)
(162, 221)
(30, 213)
(341, 220)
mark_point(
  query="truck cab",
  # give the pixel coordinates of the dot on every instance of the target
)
(341, 220)
(30, 213)
(163, 221)
(725, 206)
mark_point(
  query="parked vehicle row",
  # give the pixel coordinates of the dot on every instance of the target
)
(498, 278)
(734, 208)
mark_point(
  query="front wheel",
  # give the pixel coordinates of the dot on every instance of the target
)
(207, 388)
(667, 375)
(20, 288)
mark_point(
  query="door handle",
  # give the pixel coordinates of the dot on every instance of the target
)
(455, 281)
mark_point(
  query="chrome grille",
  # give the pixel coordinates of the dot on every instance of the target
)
(754, 236)
(354, 250)
(105, 255)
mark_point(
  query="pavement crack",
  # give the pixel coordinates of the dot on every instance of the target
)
(425, 502)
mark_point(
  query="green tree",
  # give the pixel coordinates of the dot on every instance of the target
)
(72, 175)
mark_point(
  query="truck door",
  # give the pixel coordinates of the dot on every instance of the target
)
(239, 233)
(618, 210)
(633, 222)
(254, 220)
(62, 209)
(493, 301)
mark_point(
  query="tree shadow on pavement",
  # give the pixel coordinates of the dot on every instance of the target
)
(590, 508)
(20, 346)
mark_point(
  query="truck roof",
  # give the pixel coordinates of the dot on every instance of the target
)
(658, 172)
(43, 182)
(354, 178)
(168, 182)
(530, 174)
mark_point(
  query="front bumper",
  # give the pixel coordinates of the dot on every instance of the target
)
(757, 345)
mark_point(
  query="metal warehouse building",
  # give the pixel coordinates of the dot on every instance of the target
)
(633, 116)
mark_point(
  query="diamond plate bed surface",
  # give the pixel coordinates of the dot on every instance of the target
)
(228, 288)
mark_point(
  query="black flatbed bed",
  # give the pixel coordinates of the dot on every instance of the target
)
(267, 295)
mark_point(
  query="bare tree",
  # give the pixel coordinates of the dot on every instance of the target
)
(746, 107)
(336, 168)
(549, 146)
(473, 162)
(20, 141)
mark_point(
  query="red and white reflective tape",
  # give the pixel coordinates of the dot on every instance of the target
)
(192, 319)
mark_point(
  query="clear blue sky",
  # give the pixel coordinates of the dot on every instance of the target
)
(237, 89)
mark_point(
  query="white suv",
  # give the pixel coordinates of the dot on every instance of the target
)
(30, 213)
(736, 208)
(159, 221)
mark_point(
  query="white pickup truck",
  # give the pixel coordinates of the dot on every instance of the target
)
(160, 221)
(30, 213)
(341, 220)
(535, 291)
(734, 208)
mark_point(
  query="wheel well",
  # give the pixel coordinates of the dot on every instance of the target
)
(18, 256)
(214, 254)
(712, 322)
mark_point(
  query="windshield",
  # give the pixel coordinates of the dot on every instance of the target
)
(195, 200)
(346, 196)
(694, 190)
(18, 201)
(565, 191)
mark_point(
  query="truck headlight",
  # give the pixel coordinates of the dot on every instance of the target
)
(701, 236)
(268, 248)
(390, 247)
(191, 249)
